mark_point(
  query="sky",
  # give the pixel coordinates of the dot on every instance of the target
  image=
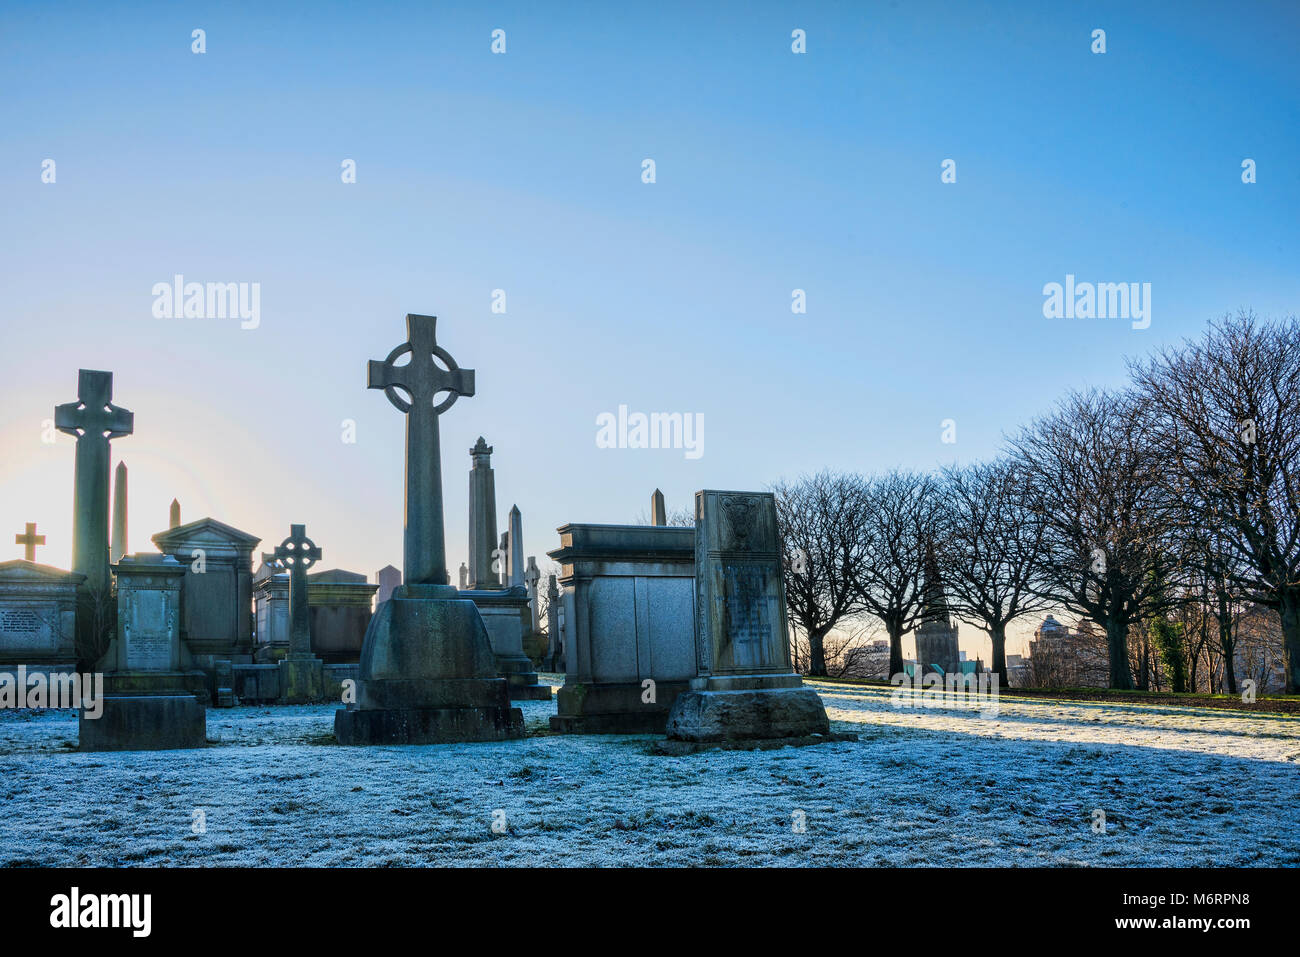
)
(522, 172)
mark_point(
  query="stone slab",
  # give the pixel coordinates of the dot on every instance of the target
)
(708, 716)
(145, 723)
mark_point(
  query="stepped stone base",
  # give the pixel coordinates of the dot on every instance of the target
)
(145, 723)
(428, 676)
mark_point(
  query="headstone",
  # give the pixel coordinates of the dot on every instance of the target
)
(388, 578)
(744, 692)
(464, 575)
(515, 551)
(554, 634)
(217, 597)
(174, 515)
(658, 515)
(483, 570)
(339, 605)
(301, 675)
(271, 613)
(118, 546)
(95, 421)
(531, 576)
(152, 691)
(29, 540)
(38, 607)
(628, 605)
(936, 637)
(427, 672)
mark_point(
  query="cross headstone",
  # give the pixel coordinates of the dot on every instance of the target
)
(94, 420)
(298, 553)
(29, 541)
(422, 380)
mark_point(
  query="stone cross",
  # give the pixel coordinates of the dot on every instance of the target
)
(94, 420)
(531, 575)
(298, 553)
(29, 541)
(422, 380)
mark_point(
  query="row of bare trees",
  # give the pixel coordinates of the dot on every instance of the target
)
(1162, 509)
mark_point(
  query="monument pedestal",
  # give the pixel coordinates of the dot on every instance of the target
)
(506, 617)
(302, 679)
(428, 675)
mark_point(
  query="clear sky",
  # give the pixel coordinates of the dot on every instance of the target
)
(522, 172)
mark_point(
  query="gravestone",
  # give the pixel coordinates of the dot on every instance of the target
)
(339, 603)
(271, 612)
(174, 515)
(29, 540)
(217, 596)
(118, 546)
(301, 673)
(464, 575)
(388, 578)
(95, 421)
(514, 549)
(152, 690)
(534, 639)
(38, 607)
(427, 671)
(483, 568)
(744, 692)
(554, 633)
(629, 625)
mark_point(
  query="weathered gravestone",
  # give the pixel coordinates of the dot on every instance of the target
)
(628, 607)
(427, 673)
(744, 692)
(387, 578)
(151, 688)
(301, 674)
(554, 630)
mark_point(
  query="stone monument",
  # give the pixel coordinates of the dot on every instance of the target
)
(515, 549)
(118, 546)
(301, 676)
(483, 568)
(29, 540)
(387, 578)
(151, 689)
(658, 514)
(427, 672)
(745, 693)
(38, 609)
(174, 515)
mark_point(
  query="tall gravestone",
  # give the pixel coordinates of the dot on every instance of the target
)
(387, 578)
(301, 674)
(427, 671)
(483, 568)
(118, 546)
(745, 691)
(554, 634)
(174, 514)
(464, 575)
(515, 549)
(95, 421)
(151, 688)
(658, 514)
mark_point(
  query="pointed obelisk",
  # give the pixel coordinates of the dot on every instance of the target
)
(174, 515)
(118, 548)
(482, 518)
(658, 516)
(428, 674)
(515, 555)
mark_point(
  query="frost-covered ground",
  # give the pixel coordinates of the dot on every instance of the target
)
(920, 787)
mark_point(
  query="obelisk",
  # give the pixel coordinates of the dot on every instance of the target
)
(174, 515)
(658, 516)
(482, 518)
(515, 555)
(118, 548)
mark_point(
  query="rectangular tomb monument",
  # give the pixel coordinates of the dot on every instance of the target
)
(628, 601)
(38, 608)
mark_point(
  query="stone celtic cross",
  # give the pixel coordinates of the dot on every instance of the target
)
(422, 379)
(29, 541)
(94, 420)
(298, 553)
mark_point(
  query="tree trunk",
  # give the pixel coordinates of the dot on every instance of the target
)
(1289, 607)
(1227, 642)
(998, 635)
(895, 648)
(817, 653)
(1121, 676)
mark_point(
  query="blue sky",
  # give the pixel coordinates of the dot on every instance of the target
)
(522, 172)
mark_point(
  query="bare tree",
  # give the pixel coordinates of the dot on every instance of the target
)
(1094, 480)
(1228, 414)
(991, 540)
(822, 520)
(902, 519)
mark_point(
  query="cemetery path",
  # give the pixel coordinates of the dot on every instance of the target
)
(922, 786)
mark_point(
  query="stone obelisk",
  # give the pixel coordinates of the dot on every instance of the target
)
(482, 518)
(118, 548)
(658, 516)
(174, 515)
(427, 674)
(515, 554)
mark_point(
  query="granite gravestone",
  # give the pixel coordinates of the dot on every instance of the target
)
(744, 692)
(153, 696)
(301, 674)
(427, 671)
